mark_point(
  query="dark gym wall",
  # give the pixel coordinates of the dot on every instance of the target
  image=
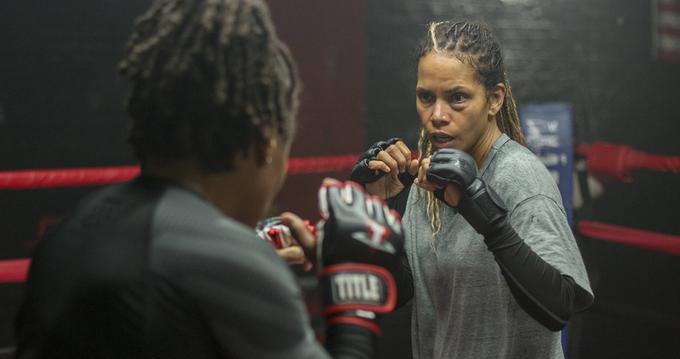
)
(327, 41)
(597, 56)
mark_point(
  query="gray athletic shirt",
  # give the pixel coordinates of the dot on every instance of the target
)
(150, 269)
(462, 306)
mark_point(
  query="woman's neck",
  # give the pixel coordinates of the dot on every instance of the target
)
(483, 146)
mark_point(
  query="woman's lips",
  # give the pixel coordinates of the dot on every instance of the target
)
(441, 140)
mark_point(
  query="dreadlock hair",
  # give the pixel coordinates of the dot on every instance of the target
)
(211, 80)
(473, 44)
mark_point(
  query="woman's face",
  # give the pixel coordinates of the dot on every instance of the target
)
(454, 107)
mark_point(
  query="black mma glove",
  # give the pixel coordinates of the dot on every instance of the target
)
(363, 175)
(478, 204)
(360, 244)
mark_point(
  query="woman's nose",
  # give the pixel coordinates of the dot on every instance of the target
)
(439, 116)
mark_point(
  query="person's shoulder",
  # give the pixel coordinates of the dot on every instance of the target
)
(517, 174)
(192, 236)
(184, 216)
(108, 208)
(183, 209)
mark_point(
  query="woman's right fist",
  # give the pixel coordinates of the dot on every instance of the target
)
(386, 168)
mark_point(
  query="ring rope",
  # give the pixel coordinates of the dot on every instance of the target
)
(620, 161)
(14, 270)
(94, 176)
(658, 242)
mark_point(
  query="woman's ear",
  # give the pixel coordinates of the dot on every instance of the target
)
(272, 147)
(496, 98)
(267, 150)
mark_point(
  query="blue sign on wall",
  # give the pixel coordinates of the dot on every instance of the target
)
(548, 133)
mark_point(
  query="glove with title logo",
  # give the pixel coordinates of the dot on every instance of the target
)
(360, 244)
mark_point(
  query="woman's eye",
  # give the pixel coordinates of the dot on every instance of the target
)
(457, 98)
(425, 97)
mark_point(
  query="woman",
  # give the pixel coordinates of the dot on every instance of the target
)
(496, 270)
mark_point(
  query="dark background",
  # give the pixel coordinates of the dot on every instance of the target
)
(61, 105)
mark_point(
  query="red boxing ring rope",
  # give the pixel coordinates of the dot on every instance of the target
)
(14, 270)
(72, 177)
(94, 176)
(658, 242)
(619, 161)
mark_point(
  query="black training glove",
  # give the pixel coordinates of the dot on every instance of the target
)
(360, 247)
(363, 175)
(478, 204)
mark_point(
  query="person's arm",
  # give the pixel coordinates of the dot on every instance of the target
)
(348, 341)
(374, 171)
(275, 232)
(403, 277)
(359, 245)
(539, 288)
(398, 202)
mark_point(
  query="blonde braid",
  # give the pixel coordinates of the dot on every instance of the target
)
(424, 151)
(508, 118)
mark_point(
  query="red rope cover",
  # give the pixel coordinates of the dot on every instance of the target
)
(646, 239)
(619, 161)
(14, 270)
(94, 176)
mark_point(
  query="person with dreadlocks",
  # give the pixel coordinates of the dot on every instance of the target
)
(168, 265)
(495, 267)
